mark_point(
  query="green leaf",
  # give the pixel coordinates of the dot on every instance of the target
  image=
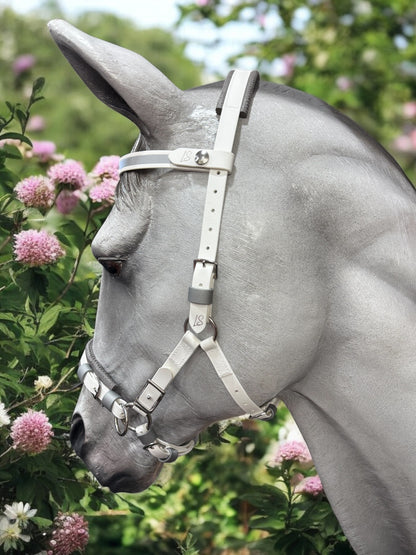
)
(38, 85)
(12, 152)
(267, 498)
(268, 523)
(48, 319)
(16, 136)
(41, 522)
(73, 232)
(32, 282)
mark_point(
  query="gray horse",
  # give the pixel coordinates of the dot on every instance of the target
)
(314, 301)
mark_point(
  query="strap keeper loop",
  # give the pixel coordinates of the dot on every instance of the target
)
(200, 296)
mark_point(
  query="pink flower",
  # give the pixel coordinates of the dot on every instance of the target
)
(69, 175)
(44, 150)
(107, 166)
(66, 201)
(261, 18)
(31, 432)
(104, 191)
(289, 62)
(203, 2)
(36, 248)
(403, 143)
(409, 109)
(70, 534)
(36, 123)
(293, 451)
(23, 63)
(310, 486)
(35, 191)
(344, 83)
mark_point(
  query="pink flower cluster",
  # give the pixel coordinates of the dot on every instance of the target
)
(43, 150)
(31, 432)
(69, 174)
(66, 201)
(104, 191)
(36, 191)
(406, 142)
(36, 248)
(66, 180)
(66, 183)
(107, 166)
(70, 534)
(105, 175)
(311, 485)
(296, 451)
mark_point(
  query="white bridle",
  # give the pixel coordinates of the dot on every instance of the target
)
(234, 103)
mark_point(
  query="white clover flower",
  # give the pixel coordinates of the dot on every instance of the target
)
(10, 534)
(19, 512)
(43, 382)
(4, 417)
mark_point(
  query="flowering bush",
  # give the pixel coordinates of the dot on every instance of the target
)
(294, 510)
(46, 318)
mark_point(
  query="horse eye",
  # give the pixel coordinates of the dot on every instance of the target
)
(112, 265)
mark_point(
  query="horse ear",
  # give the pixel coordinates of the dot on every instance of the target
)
(123, 80)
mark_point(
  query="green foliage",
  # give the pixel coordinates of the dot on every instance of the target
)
(83, 127)
(356, 55)
(47, 316)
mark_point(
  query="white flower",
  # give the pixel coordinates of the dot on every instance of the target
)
(43, 382)
(19, 512)
(10, 534)
(4, 417)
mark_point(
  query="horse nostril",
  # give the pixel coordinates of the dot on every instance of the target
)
(77, 433)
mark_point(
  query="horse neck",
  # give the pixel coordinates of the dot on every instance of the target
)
(355, 407)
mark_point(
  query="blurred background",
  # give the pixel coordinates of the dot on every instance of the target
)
(357, 55)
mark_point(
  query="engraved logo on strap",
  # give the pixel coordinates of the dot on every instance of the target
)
(199, 320)
(187, 155)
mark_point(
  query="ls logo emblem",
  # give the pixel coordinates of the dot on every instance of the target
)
(199, 320)
(187, 155)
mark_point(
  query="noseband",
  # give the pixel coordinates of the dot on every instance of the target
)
(234, 103)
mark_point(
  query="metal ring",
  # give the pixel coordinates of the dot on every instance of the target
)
(125, 420)
(210, 321)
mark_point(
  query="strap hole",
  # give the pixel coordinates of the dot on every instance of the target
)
(210, 229)
(215, 191)
(207, 248)
(212, 209)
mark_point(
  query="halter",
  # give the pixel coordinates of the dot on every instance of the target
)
(233, 104)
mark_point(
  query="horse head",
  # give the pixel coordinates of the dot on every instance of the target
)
(314, 290)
